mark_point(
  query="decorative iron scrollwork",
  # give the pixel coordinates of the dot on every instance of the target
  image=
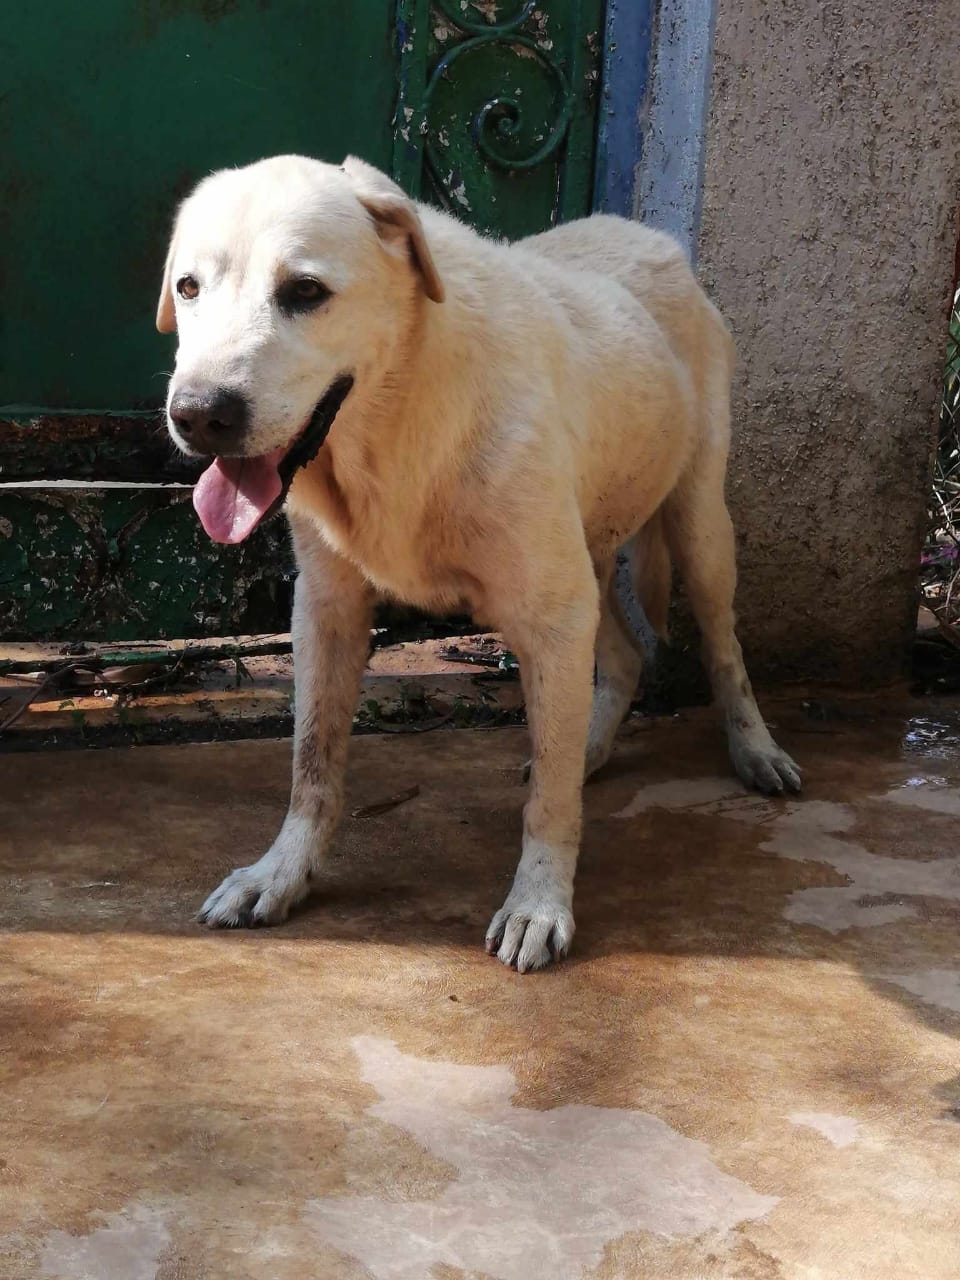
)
(489, 101)
(497, 127)
(485, 24)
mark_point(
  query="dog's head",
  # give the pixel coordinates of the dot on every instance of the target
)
(286, 282)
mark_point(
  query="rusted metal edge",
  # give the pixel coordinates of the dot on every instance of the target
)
(132, 446)
(395, 625)
(174, 654)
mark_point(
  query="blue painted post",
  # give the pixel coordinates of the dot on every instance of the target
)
(652, 124)
(627, 44)
(670, 177)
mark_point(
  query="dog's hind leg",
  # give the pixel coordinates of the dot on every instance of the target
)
(618, 666)
(700, 536)
(626, 641)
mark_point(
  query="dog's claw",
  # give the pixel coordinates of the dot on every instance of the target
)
(250, 898)
(530, 938)
(769, 771)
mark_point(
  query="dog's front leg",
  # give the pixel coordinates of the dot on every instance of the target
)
(331, 635)
(554, 640)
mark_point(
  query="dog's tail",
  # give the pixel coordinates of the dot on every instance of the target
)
(640, 591)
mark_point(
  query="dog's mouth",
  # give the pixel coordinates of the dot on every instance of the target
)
(234, 495)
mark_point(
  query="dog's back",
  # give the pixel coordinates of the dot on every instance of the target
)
(654, 268)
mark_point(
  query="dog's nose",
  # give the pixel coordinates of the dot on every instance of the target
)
(210, 420)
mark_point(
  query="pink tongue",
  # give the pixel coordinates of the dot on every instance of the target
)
(234, 494)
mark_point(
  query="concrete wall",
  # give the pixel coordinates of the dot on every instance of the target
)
(827, 236)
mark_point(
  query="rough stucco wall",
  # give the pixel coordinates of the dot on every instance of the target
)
(829, 226)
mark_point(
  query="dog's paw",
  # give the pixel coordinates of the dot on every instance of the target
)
(529, 933)
(253, 896)
(767, 769)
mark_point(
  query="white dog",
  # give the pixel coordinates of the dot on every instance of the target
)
(501, 418)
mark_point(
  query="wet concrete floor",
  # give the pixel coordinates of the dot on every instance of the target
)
(748, 1068)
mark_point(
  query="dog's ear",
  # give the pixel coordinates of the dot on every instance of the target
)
(166, 312)
(398, 223)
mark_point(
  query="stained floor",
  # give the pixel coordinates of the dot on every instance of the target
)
(749, 1068)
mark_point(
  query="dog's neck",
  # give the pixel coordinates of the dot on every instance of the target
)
(382, 458)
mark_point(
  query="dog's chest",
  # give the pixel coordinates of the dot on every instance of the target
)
(411, 549)
(409, 563)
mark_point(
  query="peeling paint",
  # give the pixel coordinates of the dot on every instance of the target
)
(86, 563)
(939, 987)
(929, 794)
(464, 84)
(839, 1131)
(129, 1246)
(534, 1193)
(879, 889)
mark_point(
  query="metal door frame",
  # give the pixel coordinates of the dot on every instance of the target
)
(657, 64)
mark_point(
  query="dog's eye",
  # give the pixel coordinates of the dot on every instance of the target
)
(302, 294)
(307, 290)
(187, 287)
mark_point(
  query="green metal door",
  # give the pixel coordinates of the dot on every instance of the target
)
(110, 112)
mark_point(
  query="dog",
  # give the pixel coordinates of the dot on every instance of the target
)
(461, 424)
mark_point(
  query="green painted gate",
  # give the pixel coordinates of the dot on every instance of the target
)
(110, 112)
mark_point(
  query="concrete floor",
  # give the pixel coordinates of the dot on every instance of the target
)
(748, 1068)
